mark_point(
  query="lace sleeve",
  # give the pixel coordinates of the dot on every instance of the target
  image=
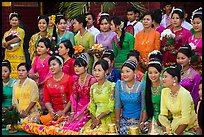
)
(117, 95)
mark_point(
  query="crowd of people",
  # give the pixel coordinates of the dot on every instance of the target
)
(137, 79)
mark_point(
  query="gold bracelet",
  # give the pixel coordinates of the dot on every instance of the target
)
(141, 123)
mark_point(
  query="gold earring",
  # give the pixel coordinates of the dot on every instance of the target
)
(174, 83)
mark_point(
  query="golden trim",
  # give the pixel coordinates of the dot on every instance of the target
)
(4, 4)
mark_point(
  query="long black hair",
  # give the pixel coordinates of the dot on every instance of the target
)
(148, 91)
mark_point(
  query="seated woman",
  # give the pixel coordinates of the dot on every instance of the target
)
(128, 98)
(134, 55)
(199, 111)
(152, 95)
(101, 106)
(113, 74)
(57, 91)
(190, 78)
(26, 96)
(176, 100)
(81, 95)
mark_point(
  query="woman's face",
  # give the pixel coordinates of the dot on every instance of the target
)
(62, 25)
(14, 22)
(99, 73)
(167, 79)
(153, 74)
(147, 21)
(182, 59)
(62, 49)
(176, 20)
(200, 91)
(197, 24)
(113, 27)
(80, 69)
(22, 72)
(42, 25)
(104, 26)
(127, 74)
(77, 26)
(41, 49)
(5, 73)
(55, 67)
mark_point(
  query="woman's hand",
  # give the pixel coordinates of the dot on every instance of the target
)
(24, 113)
(118, 124)
(95, 123)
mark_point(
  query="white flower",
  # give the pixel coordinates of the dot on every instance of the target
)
(193, 47)
(167, 33)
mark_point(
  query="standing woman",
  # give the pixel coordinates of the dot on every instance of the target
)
(146, 40)
(152, 94)
(7, 85)
(40, 68)
(113, 74)
(66, 50)
(62, 33)
(25, 96)
(196, 40)
(43, 22)
(181, 37)
(128, 98)
(14, 52)
(190, 78)
(83, 37)
(101, 106)
(81, 95)
(123, 41)
(106, 36)
(57, 90)
(176, 100)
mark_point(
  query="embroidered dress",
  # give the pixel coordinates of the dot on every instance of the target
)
(68, 67)
(114, 76)
(16, 55)
(196, 62)
(190, 81)
(181, 107)
(121, 54)
(23, 95)
(82, 92)
(101, 100)
(67, 35)
(34, 42)
(130, 101)
(181, 38)
(43, 70)
(58, 92)
(106, 39)
(87, 41)
(7, 93)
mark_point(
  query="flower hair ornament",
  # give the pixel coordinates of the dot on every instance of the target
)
(12, 13)
(86, 19)
(60, 59)
(53, 18)
(196, 12)
(154, 52)
(121, 25)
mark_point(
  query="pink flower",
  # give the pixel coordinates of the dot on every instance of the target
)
(53, 38)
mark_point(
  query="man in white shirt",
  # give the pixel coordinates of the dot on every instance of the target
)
(166, 18)
(90, 27)
(133, 16)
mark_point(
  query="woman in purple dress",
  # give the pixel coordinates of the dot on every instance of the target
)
(190, 79)
(106, 36)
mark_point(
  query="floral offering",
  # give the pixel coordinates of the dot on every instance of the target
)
(97, 50)
(78, 50)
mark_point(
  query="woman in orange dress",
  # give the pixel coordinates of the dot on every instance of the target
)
(146, 40)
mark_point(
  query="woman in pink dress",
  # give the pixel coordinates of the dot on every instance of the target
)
(196, 41)
(66, 50)
(40, 68)
(81, 95)
(181, 38)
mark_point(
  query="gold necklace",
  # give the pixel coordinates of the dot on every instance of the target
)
(84, 81)
(82, 34)
(101, 88)
(58, 78)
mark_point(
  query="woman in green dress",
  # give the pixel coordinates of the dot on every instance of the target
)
(101, 106)
(7, 85)
(152, 94)
(123, 41)
(83, 37)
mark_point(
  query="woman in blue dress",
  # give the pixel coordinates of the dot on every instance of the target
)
(128, 98)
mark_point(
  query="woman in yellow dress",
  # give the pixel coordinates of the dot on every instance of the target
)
(13, 43)
(177, 101)
(26, 96)
(43, 22)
